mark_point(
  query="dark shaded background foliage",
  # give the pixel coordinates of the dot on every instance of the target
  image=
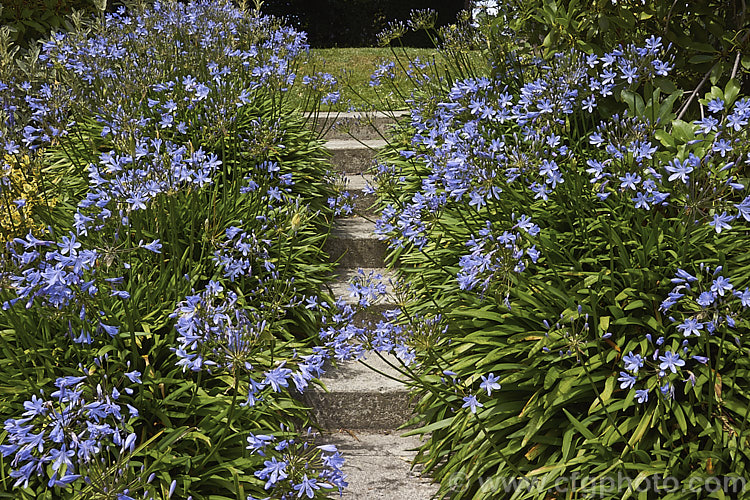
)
(33, 19)
(329, 23)
(356, 23)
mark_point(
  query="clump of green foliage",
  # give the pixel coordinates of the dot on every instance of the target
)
(157, 326)
(570, 223)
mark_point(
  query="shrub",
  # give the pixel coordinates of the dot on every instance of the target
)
(708, 39)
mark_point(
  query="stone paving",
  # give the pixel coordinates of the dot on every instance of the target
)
(362, 410)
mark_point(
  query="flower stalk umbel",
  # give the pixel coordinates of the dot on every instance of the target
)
(219, 335)
(81, 435)
(297, 468)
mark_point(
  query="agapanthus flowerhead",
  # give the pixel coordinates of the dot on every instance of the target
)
(295, 467)
(80, 423)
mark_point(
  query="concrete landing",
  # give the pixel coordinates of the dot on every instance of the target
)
(378, 466)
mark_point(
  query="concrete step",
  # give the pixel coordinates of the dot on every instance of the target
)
(378, 466)
(356, 192)
(357, 125)
(361, 398)
(364, 202)
(349, 155)
(353, 242)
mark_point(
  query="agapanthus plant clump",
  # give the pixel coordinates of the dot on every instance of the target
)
(63, 275)
(295, 467)
(186, 238)
(582, 249)
(707, 315)
(218, 333)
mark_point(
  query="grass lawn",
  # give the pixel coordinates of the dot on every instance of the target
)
(353, 68)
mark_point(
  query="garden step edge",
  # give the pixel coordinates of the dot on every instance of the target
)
(363, 203)
(353, 244)
(340, 286)
(349, 155)
(360, 398)
(357, 125)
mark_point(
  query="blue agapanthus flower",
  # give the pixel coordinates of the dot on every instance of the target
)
(64, 436)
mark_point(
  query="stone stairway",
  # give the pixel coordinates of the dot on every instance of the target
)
(362, 409)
